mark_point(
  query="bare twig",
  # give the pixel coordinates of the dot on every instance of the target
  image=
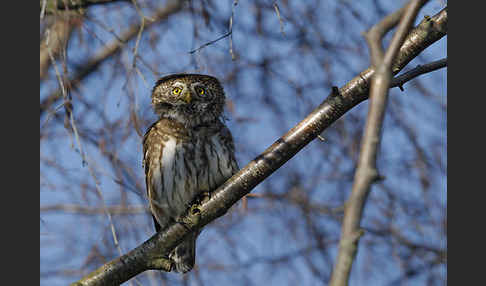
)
(54, 5)
(210, 43)
(366, 172)
(110, 50)
(59, 34)
(86, 210)
(70, 118)
(398, 81)
(139, 36)
(235, 2)
(230, 34)
(275, 6)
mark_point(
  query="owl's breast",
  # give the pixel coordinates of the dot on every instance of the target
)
(209, 160)
(190, 167)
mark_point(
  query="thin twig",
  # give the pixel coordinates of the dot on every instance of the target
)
(86, 210)
(59, 35)
(68, 108)
(104, 27)
(231, 30)
(398, 81)
(275, 6)
(78, 4)
(230, 34)
(110, 50)
(210, 43)
(139, 36)
(51, 114)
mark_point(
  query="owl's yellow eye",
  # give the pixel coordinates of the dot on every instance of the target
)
(200, 90)
(177, 90)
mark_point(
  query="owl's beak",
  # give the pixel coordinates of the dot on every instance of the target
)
(186, 96)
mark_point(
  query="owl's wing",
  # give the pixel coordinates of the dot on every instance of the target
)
(226, 133)
(148, 156)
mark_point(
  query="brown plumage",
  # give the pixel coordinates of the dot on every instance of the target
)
(188, 151)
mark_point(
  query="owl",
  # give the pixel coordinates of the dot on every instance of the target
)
(187, 152)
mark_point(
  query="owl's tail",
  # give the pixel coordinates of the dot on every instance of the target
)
(184, 255)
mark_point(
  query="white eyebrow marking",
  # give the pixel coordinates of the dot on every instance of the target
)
(196, 84)
(178, 83)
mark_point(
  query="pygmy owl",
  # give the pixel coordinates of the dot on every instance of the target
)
(187, 151)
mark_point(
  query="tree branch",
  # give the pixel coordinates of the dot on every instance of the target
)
(52, 6)
(110, 50)
(147, 255)
(366, 171)
(56, 39)
(419, 70)
(86, 210)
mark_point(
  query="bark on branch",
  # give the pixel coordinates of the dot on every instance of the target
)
(147, 255)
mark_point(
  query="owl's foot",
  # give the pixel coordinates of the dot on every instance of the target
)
(161, 263)
(194, 212)
(201, 198)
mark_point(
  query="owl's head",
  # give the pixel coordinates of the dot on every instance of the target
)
(191, 99)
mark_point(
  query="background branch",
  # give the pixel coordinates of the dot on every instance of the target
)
(79, 209)
(109, 51)
(366, 171)
(56, 38)
(53, 6)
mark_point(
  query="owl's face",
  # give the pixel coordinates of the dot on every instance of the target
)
(191, 99)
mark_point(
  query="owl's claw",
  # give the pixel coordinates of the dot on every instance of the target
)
(192, 216)
(196, 213)
(161, 263)
(199, 199)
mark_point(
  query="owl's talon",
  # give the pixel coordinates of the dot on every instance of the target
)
(194, 216)
(195, 210)
(162, 263)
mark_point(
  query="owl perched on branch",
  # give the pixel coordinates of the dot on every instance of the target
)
(188, 151)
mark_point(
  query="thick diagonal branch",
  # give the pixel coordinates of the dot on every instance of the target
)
(332, 108)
